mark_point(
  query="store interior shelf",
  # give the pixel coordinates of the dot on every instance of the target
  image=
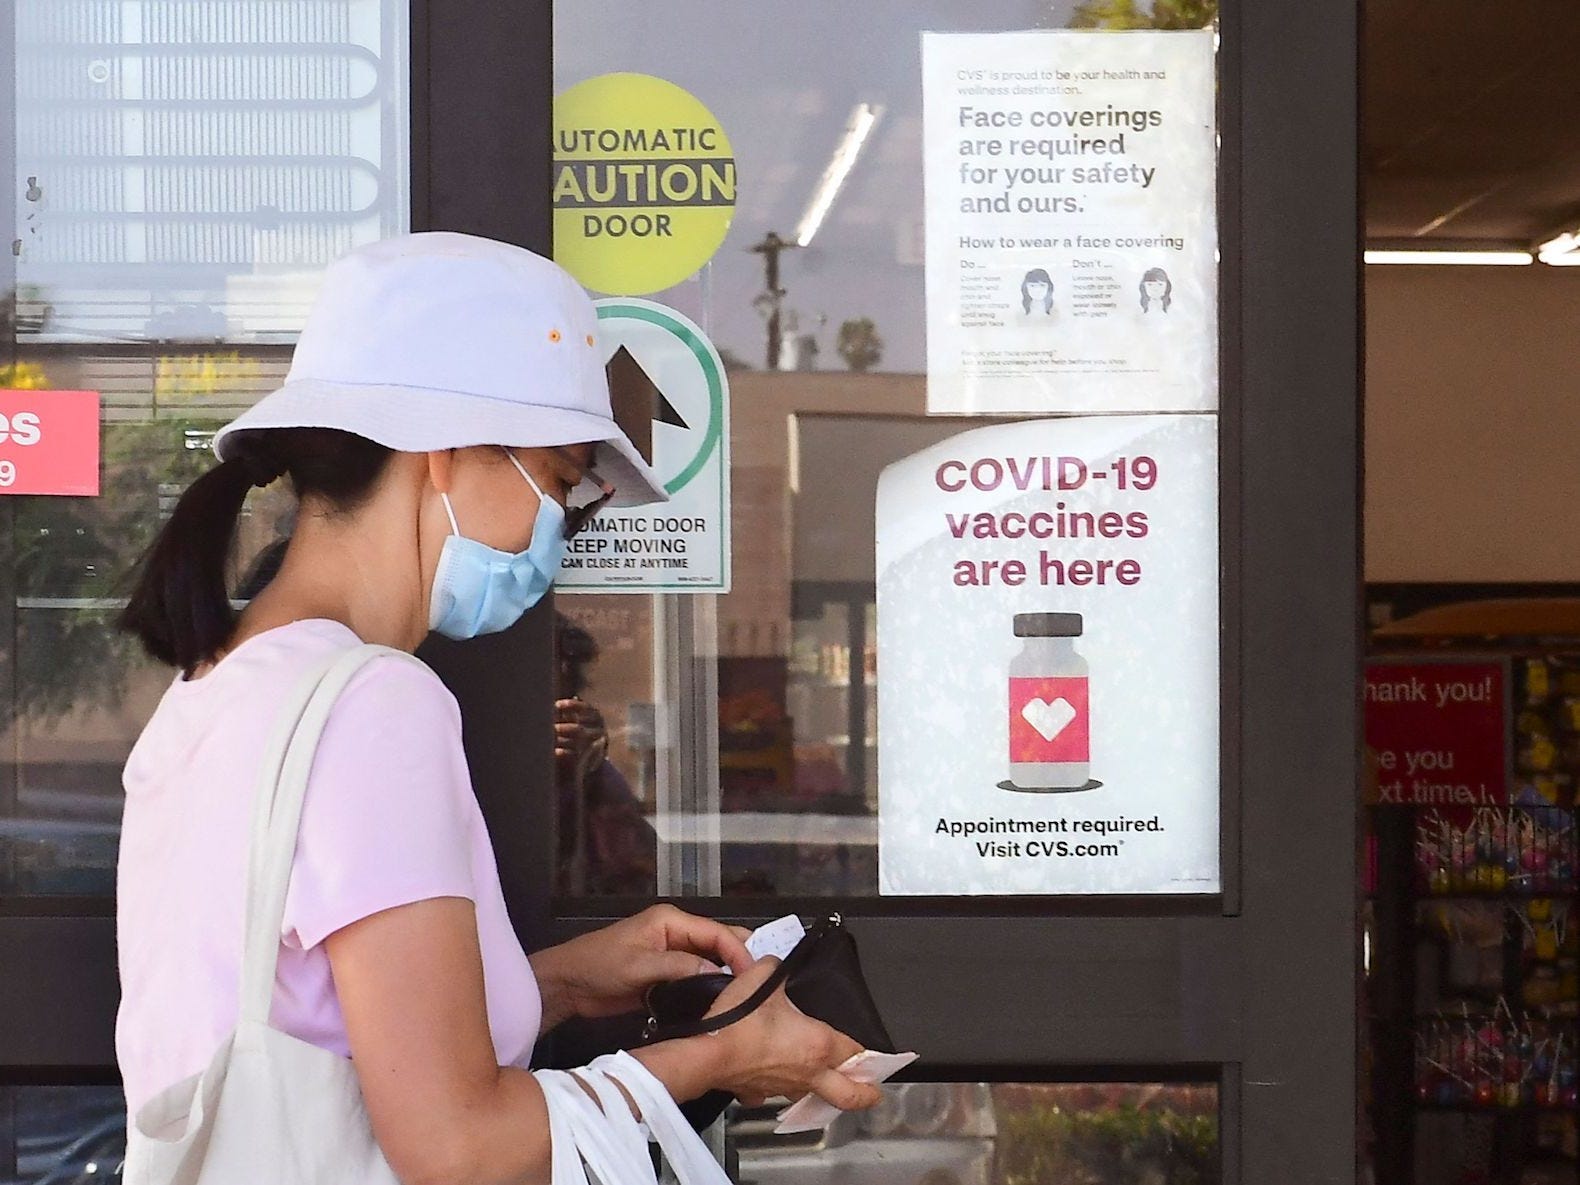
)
(1497, 1108)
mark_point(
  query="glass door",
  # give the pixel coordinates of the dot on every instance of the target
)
(733, 758)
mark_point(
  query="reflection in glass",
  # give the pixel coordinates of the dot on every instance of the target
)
(606, 844)
(184, 169)
(965, 1133)
(1002, 1134)
(61, 1135)
(822, 104)
(80, 689)
(1108, 1134)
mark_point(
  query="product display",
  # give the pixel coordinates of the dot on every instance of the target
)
(1495, 850)
(1498, 1062)
(1547, 730)
(1474, 968)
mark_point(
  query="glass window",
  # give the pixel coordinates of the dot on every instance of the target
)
(973, 1133)
(184, 169)
(742, 728)
(61, 1135)
(959, 1133)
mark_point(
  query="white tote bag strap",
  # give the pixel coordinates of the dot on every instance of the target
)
(565, 1160)
(689, 1158)
(606, 1138)
(626, 1130)
(277, 812)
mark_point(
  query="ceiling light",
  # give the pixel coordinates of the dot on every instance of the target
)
(1453, 258)
(1558, 245)
(857, 130)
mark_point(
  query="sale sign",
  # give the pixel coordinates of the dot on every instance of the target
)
(49, 442)
(1439, 730)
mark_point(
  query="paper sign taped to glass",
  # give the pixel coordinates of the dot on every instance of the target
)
(670, 394)
(1048, 663)
(1071, 221)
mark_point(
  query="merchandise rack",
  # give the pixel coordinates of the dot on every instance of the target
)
(1486, 1030)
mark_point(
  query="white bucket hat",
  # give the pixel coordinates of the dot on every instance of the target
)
(441, 340)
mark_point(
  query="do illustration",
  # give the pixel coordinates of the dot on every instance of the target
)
(1050, 732)
(1157, 290)
(1036, 293)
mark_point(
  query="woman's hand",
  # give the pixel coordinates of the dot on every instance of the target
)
(779, 1050)
(581, 739)
(608, 971)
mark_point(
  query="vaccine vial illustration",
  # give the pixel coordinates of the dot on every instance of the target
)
(1049, 724)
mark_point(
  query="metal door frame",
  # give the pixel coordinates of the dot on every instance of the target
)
(1256, 989)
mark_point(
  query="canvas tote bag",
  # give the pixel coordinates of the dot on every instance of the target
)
(269, 1108)
(272, 1109)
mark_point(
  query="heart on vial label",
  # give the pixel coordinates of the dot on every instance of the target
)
(1048, 719)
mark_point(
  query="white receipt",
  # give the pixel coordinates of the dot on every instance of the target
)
(778, 938)
(812, 1113)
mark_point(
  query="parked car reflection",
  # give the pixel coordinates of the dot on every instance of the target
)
(62, 1135)
(48, 857)
(99, 1155)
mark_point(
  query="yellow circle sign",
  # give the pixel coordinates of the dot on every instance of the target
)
(644, 183)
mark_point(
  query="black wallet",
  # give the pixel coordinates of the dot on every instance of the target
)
(821, 975)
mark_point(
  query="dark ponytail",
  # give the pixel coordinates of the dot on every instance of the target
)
(180, 604)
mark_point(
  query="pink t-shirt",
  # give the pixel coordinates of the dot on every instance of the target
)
(389, 819)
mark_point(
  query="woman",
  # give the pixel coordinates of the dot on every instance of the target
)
(444, 424)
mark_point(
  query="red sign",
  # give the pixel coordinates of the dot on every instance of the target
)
(49, 442)
(1439, 731)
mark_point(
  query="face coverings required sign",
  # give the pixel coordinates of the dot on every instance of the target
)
(670, 395)
(1048, 674)
(1071, 221)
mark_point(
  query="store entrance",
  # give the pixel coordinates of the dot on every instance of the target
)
(743, 766)
(1471, 969)
(726, 749)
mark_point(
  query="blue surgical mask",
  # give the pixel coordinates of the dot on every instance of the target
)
(478, 589)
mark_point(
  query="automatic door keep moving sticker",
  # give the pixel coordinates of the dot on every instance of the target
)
(670, 395)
